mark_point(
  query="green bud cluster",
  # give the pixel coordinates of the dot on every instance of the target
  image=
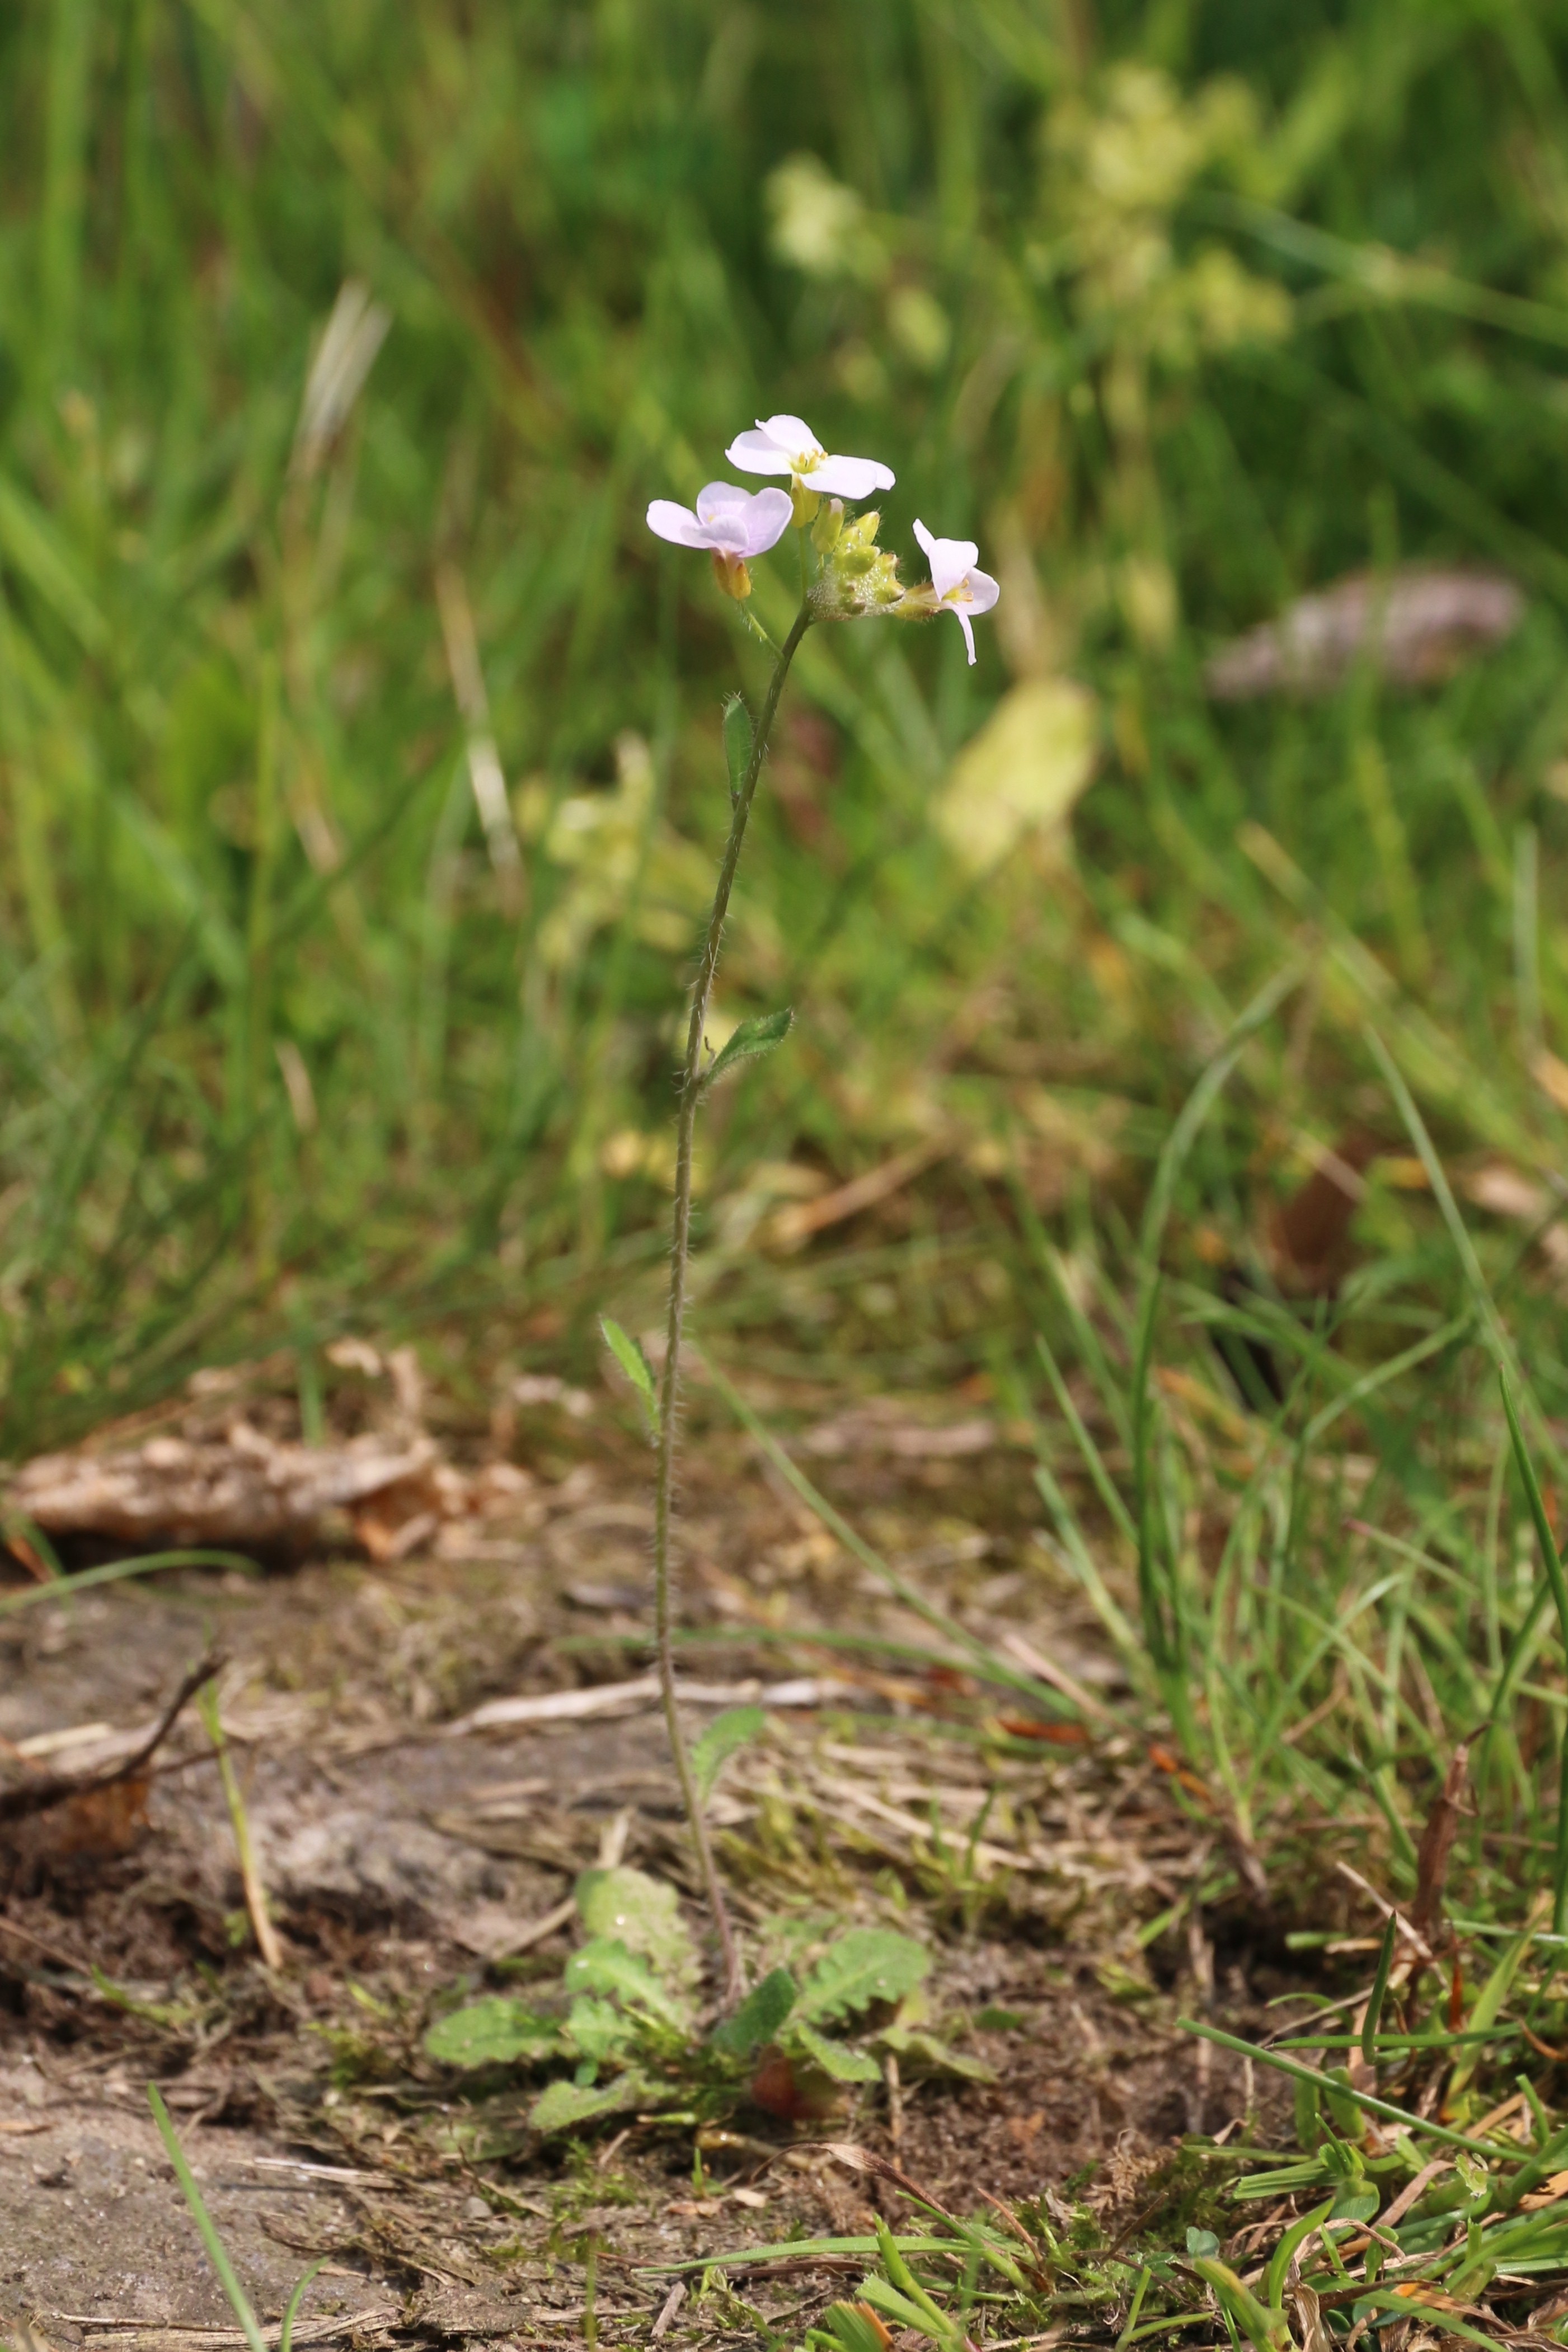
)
(858, 577)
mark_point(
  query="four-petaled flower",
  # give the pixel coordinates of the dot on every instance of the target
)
(959, 587)
(732, 524)
(787, 445)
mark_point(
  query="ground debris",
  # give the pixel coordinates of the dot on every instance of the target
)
(1416, 624)
(242, 1487)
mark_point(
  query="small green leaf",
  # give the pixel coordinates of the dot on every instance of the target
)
(739, 737)
(927, 2054)
(835, 2058)
(761, 1034)
(495, 2032)
(1203, 2241)
(642, 1914)
(566, 2105)
(1267, 2330)
(758, 2018)
(598, 2030)
(606, 1966)
(868, 1964)
(1284, 2253)
(735, 1728)
(628, 1354)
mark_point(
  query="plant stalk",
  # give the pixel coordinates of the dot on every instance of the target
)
(679, 1253)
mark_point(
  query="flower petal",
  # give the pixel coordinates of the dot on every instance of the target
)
(768, 517)
(924, 536)
(714, 497)
(982, 591)
(962, 617)
(850, 477)
(678, 524)
(951, 561)
(791, 433)
(755, 453)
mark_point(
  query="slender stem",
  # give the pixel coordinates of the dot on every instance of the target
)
(679, 1251)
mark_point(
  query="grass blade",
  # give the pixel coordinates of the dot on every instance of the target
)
(217, 2254)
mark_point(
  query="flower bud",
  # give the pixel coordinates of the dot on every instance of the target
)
(829, 522)
(858, 577)
(731, 576)
(804, 502)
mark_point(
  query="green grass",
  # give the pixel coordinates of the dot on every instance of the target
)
(284, 1047)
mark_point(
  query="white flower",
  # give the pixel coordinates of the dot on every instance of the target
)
(729, 521)
(787, 445)
(960, 587)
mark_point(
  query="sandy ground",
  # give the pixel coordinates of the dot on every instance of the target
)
(406, 1846)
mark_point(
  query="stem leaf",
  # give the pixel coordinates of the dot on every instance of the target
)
(739, 737)
(762, 1034)
(735, 1728)
(627, 1352)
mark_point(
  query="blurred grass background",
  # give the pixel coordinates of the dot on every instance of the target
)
(359, 761)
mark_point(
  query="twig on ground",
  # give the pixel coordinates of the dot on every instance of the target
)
(55, 1787)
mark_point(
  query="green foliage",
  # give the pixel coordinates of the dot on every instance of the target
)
(239, 2302)
(845, 2328)
(567, 2106)
(625, 2021)
(739, 736)
(606, 1966)
(497, 2031)
(865, 1966)
(732, 1729)
(759, 2019)
(628, 1353)
(1163, 303)
(758, 1035)
(641, 1913)
(836, 2060)
(923, 2053)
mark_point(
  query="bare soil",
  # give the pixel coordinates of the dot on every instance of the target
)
(405, 1849)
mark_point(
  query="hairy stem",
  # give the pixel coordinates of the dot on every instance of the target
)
(679, 1251)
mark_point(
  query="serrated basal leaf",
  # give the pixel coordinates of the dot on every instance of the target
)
(758, 2018)
(739, 737)
(628, 1354)
(735, 1728)
(642, 1914)
(835, 2059)
(762, 1033)
(498, 2032)
(597, 2030)
(868, 1964)
(606, 1966)
(923, 2053)
(565, 2106)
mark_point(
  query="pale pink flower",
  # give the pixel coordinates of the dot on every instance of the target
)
(729, 520)
(787, 445)
(959, 587)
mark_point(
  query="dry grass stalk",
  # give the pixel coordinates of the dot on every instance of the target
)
(266, 1938)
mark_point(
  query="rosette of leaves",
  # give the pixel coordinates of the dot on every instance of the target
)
(622, 2032)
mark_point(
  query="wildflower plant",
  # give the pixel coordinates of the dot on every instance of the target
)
(845, 575)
